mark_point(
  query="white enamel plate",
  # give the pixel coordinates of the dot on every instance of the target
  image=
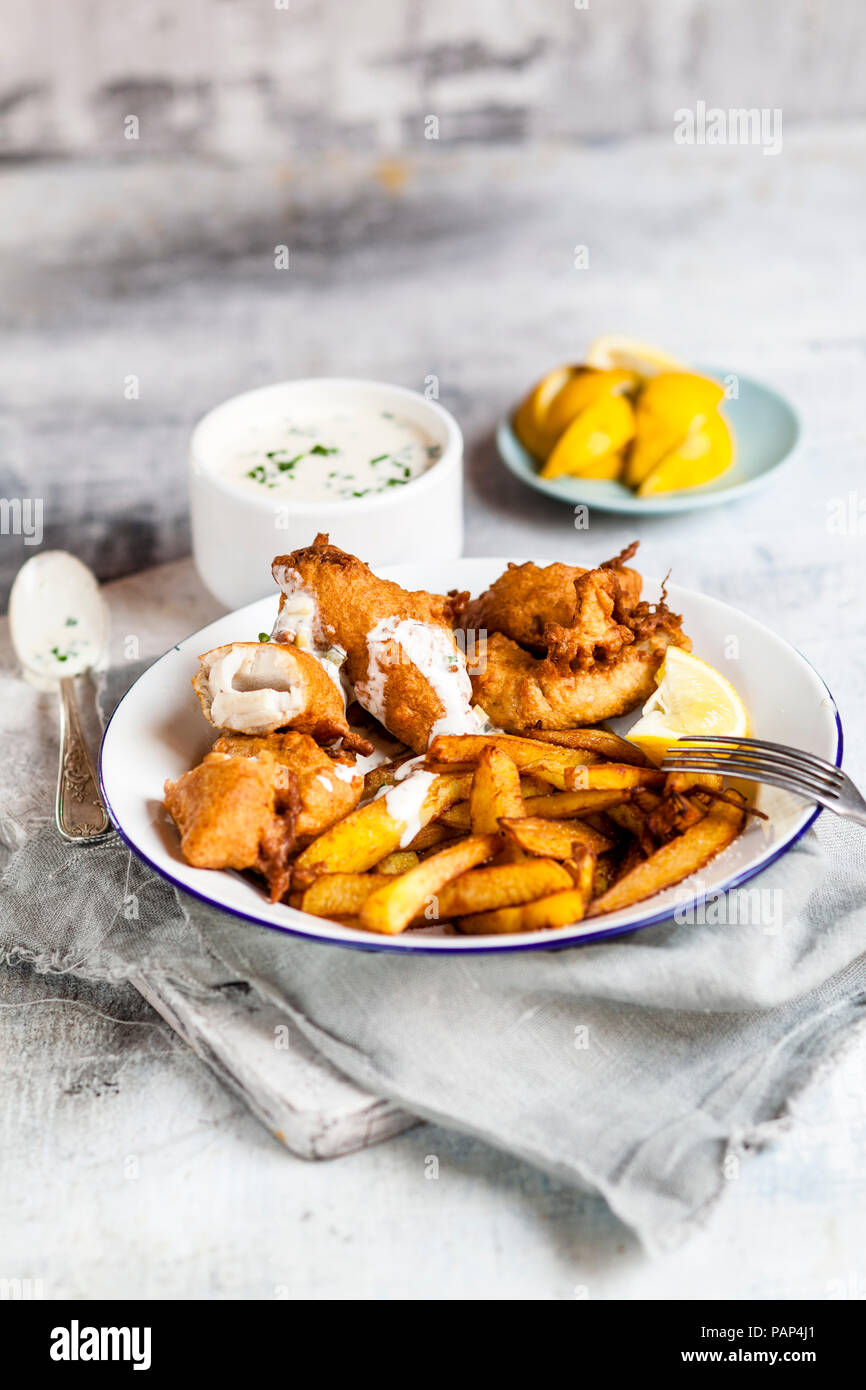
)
(157, 732)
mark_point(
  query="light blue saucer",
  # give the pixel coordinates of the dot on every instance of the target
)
(766, 430)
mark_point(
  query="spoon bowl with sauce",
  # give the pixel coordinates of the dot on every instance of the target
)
(58, 621)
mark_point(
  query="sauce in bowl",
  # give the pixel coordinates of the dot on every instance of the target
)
(328, 455)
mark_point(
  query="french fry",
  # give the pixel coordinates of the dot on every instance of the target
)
(582, 870)
(339, 895)
(566, 804)
(383, 775)
(691, 781)
(456, 817)
(501, 885)
(390, 909)
(554, 839)
(603, 776)
(361, 839)
(398, 862)
(559, 910)
(604, 874)
(467, 748)
(629, 818)
(495, 792)
(676, 860)
(432, 835)
(599, 741)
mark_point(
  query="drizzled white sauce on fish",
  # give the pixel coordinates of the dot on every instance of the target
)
(432, 651)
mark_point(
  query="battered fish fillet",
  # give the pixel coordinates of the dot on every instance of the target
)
(326, 788)
(519, 690)
(601, 655)
(259, 687)
(231, 814)
(527, 600)
(397, 647)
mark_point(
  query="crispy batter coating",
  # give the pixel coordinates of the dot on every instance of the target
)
(232, 815)
(347, 602)
(324, 795)
(519, 690)
(527, 601)
(568, 646)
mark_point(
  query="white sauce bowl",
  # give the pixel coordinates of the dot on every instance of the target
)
(237, 531)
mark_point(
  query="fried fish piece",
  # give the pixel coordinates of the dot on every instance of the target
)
(527, 601)
(259, 687)
(397, 647)
(518, 689)
(232, 814)
(327, 788)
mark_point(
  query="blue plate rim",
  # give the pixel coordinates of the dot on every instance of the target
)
(495, 947)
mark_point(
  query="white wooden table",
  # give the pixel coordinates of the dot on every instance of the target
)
(126, 1168)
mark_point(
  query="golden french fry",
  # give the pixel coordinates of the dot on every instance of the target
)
(432, 835)
(582, 870)
(467, 748)
(398, 862)
(555, 839)
(456, 817)
(689, 781)
(676, 860)
(500, 885)
(628, 817)
(558, 910)
(370, 832)
(598, 777)
(604, 874)
(563, 805)
(391, 908)
(338, 895)
(599, 741)
(495, 792)
(383, 775)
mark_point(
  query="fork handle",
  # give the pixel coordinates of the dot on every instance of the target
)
(79, 811)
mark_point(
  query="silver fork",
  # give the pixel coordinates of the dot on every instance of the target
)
(755, 759)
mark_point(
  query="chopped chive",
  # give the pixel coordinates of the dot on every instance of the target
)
(379, 458)
(321, 449)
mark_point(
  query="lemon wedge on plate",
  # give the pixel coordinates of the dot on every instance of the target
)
(691, 697)
(614, 351)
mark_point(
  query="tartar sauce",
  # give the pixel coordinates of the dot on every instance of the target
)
(329, 455)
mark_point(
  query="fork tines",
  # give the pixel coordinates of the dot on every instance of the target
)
(773, 763)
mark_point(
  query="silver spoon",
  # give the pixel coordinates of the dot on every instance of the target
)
(58, 621)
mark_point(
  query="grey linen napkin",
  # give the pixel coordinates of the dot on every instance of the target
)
(642, 1068)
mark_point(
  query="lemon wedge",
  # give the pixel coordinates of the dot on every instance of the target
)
(583, 389)
(602, 429)
(691, 697)
(705, 453)
(613, 351)
(530, 417)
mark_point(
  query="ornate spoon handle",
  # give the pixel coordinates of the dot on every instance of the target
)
(79, 811)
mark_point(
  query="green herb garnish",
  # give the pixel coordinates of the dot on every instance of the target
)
(321, 449)
(264, 637)
(379, 458)
(60, 656)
